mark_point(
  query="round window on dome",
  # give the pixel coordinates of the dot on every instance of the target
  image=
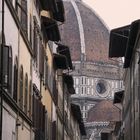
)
(100, 87)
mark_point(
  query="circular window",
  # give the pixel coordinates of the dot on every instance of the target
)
(100, 87)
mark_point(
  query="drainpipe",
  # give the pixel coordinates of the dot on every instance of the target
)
(1, 74)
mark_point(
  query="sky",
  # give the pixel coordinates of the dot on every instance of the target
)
(116, 13)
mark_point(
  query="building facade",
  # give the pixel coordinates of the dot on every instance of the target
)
(32, 101)
(128, 40)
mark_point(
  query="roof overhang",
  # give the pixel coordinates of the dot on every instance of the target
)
(64, 50)
(135, 26)
(118, 41)
(68, 79)
(59, 14)
(118, 96)
(123, 40)
(60, 61)
(51, 28)
(44, 4)
(78, 116)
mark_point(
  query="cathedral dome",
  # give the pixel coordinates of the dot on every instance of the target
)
(85, 33)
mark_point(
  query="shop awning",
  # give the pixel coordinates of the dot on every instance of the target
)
(51, 28)
(64, 50)
(135, 26)
(118, 96)
(118, 41)
(60, 61)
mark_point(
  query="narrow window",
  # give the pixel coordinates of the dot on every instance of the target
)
(15, 80)
(41, 59)
(10, 69)
(24, 18)
(21, 88)
(30, 98)
(82, 80)
(82, 90)
(26, 94)
(21, 8)
(6, 67)
(35, 40)
(31, 31)
(46, 72)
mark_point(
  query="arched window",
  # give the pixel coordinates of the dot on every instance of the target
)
(26, 94)
(15, 82)
(21, 88)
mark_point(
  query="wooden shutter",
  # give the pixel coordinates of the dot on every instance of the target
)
(41, 60)
(10, 69)
(34, 110)
(30, 99)
(5, 66)
(30, 31)
(24, 18)
(46, 72)
(35, 40)
(21, 88)
(26, 94)
(46, 125)
(37, 113)
(43, 119)
(54, 130)
(15, 82)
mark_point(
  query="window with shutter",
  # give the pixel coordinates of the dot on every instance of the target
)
(43, 119)
(46, 125)
(10, 69)
(21, 8)
(26, 94)
(6, 66)
(33, 109)
(46, 71)
(38, 116)
(30, 99)
(15, 80)
(35, 41)
(31, 31)
(41, 59)
(24, 18)
(21, 88)
(54, 130)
